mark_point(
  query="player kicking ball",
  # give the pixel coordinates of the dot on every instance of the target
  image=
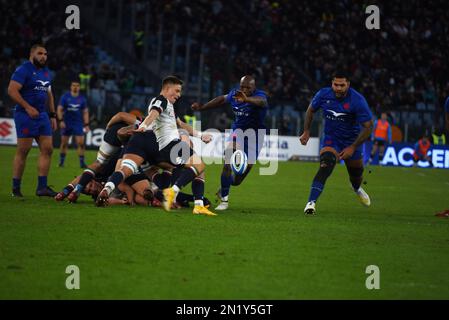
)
(248, 131)
(348, 123)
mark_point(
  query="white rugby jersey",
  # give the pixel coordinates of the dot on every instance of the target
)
(164, 126)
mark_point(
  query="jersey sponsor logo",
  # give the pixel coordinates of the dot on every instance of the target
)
(43, 83)
(42, 86)
(336, 116)
(73, 107)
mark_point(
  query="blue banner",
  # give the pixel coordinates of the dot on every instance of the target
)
(401, 154)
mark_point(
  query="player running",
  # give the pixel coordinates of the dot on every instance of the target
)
(381, 136)
(30, 89)
(73, 116)
(250, 108)
(158, 141)
(348, 123)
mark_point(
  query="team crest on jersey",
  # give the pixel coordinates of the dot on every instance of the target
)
(346, 106)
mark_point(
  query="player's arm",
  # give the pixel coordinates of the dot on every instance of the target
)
(14, 92)
(51, 108)
(214, 103)
(144, 126)
(86, 119)
(365, 132)
(258, 101)
(122, 117)
(307, 124)
(192, 132)
(60, 116)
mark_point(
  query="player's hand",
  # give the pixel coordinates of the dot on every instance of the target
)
(304, 138)
(86, 129)
(32, 112)
(54, 124)
(196, 106)
(140, 129)
(240, 96)
(62, 125)
(347, 153)
(206, 138)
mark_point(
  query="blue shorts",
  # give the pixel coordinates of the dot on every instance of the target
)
(329, 141)
(72, 130)
(27, 127)
(252, 142)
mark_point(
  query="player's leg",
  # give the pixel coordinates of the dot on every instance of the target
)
(227, 177)
(129, 165)
(328, 160)
(45, 143)
(355, 171)
(179, 152)
(381, 153)
(63, 149)
(81, 150)
(22, 150)
(374, 150)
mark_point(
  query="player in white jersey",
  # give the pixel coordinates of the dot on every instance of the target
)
(169, 150)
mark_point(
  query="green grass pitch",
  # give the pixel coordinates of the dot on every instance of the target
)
(262, 248)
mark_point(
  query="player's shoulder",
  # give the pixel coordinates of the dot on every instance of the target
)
(24, 67)
(356, 95)
(325, 92)
(260, 93)
(159, 102)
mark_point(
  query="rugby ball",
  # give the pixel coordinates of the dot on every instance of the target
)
(239, 162)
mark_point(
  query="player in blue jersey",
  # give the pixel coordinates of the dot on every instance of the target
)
(348, 123)
(248, 130)
(73, 118)
(30, 89)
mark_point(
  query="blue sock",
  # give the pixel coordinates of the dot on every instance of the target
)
(16, 183)
(61, 158)
(81, 161)
(67, 189)
(41, 182)
(225, 184)
(315, 190)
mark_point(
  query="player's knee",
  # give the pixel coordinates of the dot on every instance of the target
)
(47, 150)
(327, 164)
(328, 160)
(227, 169)
(129, 167)
(23, 151)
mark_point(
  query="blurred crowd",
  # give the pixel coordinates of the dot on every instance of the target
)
(291, 47)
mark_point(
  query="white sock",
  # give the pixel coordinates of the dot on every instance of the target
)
(199, 203)
(110, 186)
(176, 189)
(225, 199)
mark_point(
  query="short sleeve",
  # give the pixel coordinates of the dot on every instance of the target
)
(159, 103)
(316, 100)
(20, 75)
(230, 95)
(363, 112)
(84, 103)
(261, 94)
(62, 100)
